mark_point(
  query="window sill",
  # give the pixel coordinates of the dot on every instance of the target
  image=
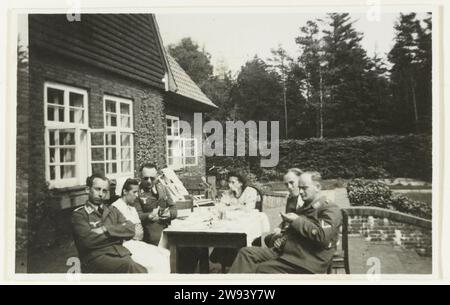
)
(68, 189)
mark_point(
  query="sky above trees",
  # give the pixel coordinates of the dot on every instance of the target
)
(233, 39)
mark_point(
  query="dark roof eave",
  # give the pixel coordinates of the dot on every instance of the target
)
(186, 102)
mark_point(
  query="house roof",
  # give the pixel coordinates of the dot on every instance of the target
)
(184, 85)
(123, 44)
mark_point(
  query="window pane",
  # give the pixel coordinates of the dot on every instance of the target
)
(110, 138)
(125, 139)
(175, 128)
(189, 152)
(126, 166)
(67, 171)
(50, 113)
(52, 155)
(52, 172)
(52, 139)
(124, 108)
(169, 127)
(170, 161)
(189, 160)
(67, 155)
(111, 120)
(97, 154)
(111, 154)
(111, 168)
(125, 121)
(76, 116)
(72, 116)
(125, 153)
(76, 100)
(174, 148)
(66, 138)
(110, 106)
(98, 168)
(97, 138)
(55, 96)
(61, 114)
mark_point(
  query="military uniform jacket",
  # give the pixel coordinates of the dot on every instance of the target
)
(89, 244)
(311, 238)
(151, 200)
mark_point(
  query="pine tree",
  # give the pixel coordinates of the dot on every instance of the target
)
(310, 63)
(280, 64)
(411, 74)
(257, 94)
(195, 61)
(345, 77)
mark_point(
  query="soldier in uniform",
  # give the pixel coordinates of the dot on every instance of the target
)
(309, 241)
(155, 206)
(293, 203)
(99, 232)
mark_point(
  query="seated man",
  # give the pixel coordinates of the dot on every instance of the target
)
(155, 207)
(293, 203)
(309, 241)
(99, 232)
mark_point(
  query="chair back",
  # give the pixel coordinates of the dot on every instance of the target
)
(260, 199)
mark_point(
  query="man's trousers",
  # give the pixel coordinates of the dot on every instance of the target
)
(263, 260)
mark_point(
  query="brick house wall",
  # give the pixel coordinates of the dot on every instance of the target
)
(22, 165)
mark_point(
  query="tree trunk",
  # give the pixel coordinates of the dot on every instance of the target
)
(321, 107)
(416, 116)
(285, 111)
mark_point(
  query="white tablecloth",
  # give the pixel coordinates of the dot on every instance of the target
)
(251, 222)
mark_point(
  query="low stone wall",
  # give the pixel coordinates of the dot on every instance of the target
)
(405, 234)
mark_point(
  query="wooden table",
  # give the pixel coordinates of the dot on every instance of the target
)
(178, 239)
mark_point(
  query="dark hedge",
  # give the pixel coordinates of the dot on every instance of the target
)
(378, 194)
(406, 156)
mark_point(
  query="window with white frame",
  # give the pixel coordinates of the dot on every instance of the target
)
(65, 116)
(190, 151)
(181, 151)
(112, 147)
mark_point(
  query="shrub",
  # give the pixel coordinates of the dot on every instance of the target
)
(378, 194)
(369, 193)
(406, 205)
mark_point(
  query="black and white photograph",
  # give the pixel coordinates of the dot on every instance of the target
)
(226, 143)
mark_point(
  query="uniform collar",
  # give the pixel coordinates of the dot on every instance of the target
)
(317, 203)
(299, 203)
(90, 208)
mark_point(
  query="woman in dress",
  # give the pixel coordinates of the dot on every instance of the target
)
(155, 259)
(239, 193)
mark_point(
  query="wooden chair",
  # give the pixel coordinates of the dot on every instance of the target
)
(340, 258)
(259, 201)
